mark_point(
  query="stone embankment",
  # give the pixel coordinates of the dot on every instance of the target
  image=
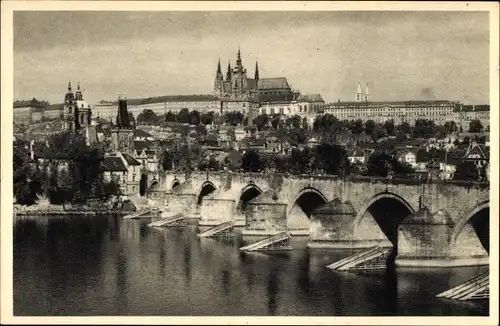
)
(44, 208)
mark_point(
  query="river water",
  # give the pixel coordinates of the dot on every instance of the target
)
(78, 266)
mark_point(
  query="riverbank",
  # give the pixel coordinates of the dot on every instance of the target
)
(46, 209)
(68, 212)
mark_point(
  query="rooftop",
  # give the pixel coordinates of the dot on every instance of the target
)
(311, 98)
(113, 164)
(273, 83)
(130, 160)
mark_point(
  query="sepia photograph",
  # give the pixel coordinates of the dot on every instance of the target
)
(284, 159)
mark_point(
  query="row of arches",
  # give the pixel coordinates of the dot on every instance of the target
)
(388, 210)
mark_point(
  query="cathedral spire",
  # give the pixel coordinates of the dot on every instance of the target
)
(228, 75)
(219, 71)
(69, 86)
(256, 70)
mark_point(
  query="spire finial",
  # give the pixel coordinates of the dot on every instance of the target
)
(69, 86)
(256, 70)
(238, 60)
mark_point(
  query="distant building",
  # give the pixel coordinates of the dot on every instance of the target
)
(438, 111)
(464, 114)
(23, 111)
(399, 111)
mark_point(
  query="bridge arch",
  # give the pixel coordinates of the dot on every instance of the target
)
(206, 188)
(388, 210)
(308, 199)
(247, 193)
(479, 218)
(143, 184)
(176, 183)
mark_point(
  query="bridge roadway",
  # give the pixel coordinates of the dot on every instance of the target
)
(437, 223)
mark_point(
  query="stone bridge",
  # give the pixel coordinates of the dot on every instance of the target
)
(436, 223)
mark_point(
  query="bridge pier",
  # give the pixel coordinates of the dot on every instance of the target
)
(265, 215)
(333, 226)
(184, 203)
(215, 211)
(425, 240)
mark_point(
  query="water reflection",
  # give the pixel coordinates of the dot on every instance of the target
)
(110, 266)
(272, 290)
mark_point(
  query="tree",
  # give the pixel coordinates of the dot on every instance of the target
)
(201, 129)
(381, 164)
(24, 195)
(276, 121)
(297, 136)
(389, 126)
(377, 133)
(466, 171)
(194, 118)
(475, 126)
(328, 125)
(305, 123)
(400, 137)
(261, 121)
(207, 118)
(450, 127)
(111, 188)
(148, 117)
(369, 127)
(423, 128)
(171, 117)
(296, 121)
(332, 159)
(233, 118)
(405, 127)
(357, 126)
(184, 116)
(251, 162)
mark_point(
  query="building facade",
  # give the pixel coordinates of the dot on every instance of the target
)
(400, 111)
(27, 112)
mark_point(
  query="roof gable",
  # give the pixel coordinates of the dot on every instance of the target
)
(476, 151)
(130, 160)
(142, 133)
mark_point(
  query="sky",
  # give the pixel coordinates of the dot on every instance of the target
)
(400, 55)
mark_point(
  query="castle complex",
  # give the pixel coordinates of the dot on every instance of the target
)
(238, 87)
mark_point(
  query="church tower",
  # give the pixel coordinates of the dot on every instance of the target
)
(219, 82)
(70, 111)
(122, 134)
(367, 93)
(239, 78)
(359, 94)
